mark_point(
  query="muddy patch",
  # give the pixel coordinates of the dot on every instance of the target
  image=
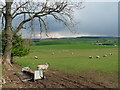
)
(54, 79)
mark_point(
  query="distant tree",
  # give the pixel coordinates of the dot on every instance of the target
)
(29, 10)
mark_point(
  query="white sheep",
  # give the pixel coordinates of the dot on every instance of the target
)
(97, 56)
(110, 53)
(53, 53)
(90, 57)
(72, 53)
(105, 55)
(43, 67)
(36, 57)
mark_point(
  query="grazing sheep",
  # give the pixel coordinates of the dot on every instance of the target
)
(72, 53)
(105, 56)
(97, 56)
(43, 67)
(53, 53)
(90, 57)
(36, 57)
(110, 53)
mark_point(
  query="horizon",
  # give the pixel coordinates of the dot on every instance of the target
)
(77, 37)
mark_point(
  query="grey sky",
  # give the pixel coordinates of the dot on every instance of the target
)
(97, 18)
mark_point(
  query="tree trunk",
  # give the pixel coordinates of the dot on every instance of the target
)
(8, 48)
(8, 35)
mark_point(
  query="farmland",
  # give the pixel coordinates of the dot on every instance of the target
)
(78, 62)
(72, 56)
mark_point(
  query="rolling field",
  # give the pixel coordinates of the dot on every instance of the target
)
(71, 44)
(69, 47)
(70, 65)
(78, 62)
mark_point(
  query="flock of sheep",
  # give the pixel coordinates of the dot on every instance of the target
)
(44, 67)
(90, 57)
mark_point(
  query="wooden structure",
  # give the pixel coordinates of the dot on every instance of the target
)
(37, 74)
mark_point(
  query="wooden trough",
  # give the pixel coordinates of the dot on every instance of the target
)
(35, 75)
(29, 71)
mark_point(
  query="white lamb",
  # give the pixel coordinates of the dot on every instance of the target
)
(43, 67)
(90, 57)
(72, 53)
(110, 53)
(105, 56)
(97, 56)
(53, 53)
(36, 57)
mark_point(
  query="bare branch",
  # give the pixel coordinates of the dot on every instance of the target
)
(28, 13)
(36, 15)
(45, 26)
(22, 23)
(3, 18)
(19, 8)
(40, 28)
(64, 22)
(39, 10)
(2, 10)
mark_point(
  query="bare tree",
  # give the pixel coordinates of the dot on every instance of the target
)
(30, 10)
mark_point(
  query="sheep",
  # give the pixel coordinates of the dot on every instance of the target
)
(90, 57)
(72, 53)
(105, 56)
(36, 57)
(53, 53)
(97, 56)
(110, 53)
(43, 67)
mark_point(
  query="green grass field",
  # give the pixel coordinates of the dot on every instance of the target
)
(76, 63)
(72, 46)
(69, 44)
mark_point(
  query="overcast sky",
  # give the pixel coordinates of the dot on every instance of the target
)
(96, 19)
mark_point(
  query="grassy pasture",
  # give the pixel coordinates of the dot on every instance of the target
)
(70, 44)
(77, 41)
(76, 63)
